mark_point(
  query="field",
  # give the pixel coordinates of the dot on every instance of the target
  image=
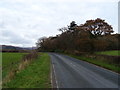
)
(9, 58)
(112, 53)
(35, 75)
(10, 61)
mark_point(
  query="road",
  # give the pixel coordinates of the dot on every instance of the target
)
(72, 73)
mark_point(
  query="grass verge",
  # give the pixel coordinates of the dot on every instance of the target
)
(98, 61)
(35, 75)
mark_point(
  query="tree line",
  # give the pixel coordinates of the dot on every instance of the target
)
(93, 35)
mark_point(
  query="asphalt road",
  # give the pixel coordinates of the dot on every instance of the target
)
(72, 73)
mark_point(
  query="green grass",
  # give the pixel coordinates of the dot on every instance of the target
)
(9, 58)
(113, 53)
(99, 62)
(10, 61)
(35, 75)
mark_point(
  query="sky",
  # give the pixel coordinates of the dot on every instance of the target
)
(23, 22)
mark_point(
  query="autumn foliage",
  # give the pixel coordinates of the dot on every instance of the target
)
(94, 35)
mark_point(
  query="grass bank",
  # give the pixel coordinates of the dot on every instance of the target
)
(98, 60)
(35, 75)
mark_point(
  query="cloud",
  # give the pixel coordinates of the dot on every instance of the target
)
(15, 38)
(119, 17)
(22, 22)
(32, 1)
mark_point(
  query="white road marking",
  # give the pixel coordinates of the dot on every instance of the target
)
(51, 76)
(100, 67)
(55, 77)
(74, 65)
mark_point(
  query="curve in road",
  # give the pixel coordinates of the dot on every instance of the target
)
(72, 73)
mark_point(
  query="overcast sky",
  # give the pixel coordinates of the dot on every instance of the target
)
(22, 22)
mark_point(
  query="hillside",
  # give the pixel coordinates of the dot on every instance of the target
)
(9, 48)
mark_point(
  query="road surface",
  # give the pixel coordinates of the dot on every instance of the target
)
(72, 73)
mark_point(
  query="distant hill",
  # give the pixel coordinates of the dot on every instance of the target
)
(9, 48)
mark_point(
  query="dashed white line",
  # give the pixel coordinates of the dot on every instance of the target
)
(72, 64)
(101, 67)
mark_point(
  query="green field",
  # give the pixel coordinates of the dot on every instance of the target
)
(9, 58)
(35, 75)
(10, 61)
(113, 53)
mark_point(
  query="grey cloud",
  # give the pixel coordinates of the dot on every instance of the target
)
(15, 38)
(119, 16)
(23, 21)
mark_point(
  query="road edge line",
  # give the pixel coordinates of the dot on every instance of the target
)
(53, 74)
(94, 64)
(55, 77)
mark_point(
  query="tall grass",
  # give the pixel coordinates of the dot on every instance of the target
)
(35, 75)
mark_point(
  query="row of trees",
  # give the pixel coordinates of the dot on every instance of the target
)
(94, 35)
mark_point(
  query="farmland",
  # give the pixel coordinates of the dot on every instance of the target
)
(36, 73)
(9, 58)
(10, 61)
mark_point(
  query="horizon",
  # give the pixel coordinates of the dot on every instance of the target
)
(17, 46)
(35, 45)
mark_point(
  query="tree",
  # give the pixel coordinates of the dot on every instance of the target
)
(72, 26)
(98, 27)
(40, 43)
(100, 44)
(64, 29)
(94, 35)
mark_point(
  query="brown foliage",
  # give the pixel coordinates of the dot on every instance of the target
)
(94, 35)
(98, 27)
